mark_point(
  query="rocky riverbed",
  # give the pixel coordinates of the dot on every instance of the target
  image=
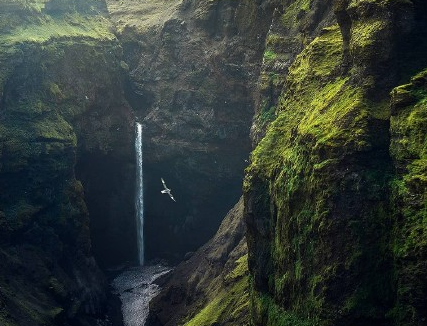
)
(136, 288)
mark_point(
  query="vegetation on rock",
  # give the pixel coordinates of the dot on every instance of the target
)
(335, 195)
(57, 61)
(211, 287)
(408, 125)
(322, 192)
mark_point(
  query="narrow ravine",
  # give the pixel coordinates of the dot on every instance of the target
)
(136, 288)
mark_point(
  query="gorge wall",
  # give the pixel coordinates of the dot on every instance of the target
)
(331, 228)
(67, 161)
(69, 94)
(193, 67)
(335, 194)
(64, 127)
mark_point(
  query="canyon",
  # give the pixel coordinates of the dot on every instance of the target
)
(291, 132)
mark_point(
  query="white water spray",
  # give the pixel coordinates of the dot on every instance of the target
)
(139, 199)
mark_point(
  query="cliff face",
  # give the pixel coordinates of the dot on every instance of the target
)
(294, 25)
(193, 66)
(408, 127)
(61, 109)
(334, 195)
(211, 287)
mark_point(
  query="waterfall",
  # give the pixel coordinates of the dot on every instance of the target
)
(139, 199)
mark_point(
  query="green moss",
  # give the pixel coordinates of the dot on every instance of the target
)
(55, 91)
(263, 305)
(312, 158)
(53, 68)
(225, 305)
(266, 116)
(409, 151)
(240, 270)
(333, 105)
(26, 24)
(360, 3)
(365, 33)
(231, 303)
(56, 129)
(275, 41)
(293, 11)
(269, 56)
(6, 56)
(71, 25)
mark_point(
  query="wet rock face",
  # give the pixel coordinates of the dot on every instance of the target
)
(327, 192)
(61, 113)
(192, 71)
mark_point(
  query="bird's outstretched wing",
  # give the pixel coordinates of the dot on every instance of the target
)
(166, 190)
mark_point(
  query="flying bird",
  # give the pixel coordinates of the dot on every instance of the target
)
(167, 190)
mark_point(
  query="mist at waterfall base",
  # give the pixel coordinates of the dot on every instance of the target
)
(136, 288)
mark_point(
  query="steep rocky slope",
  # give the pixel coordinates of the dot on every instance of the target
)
(335, 196)
(294, 25)
(409, 189)
(335, 193)
(211, 287)
(193, 66)
(61, 111)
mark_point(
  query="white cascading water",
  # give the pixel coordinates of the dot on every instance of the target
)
(139, 199)
(136, 286)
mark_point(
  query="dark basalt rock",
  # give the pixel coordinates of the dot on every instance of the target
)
(61, 106)
(193, 65)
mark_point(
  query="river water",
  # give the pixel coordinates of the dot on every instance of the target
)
(136, 288)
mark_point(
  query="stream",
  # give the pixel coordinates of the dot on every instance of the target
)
(136, 288)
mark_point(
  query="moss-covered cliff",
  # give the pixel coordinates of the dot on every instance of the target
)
(211, 287)
(334, 195)
(61, 106)
(409, 188)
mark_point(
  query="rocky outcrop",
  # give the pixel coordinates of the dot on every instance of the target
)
(334, 192)
(211, 287)
(193, 66)
(294, 25)
(64, 126)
